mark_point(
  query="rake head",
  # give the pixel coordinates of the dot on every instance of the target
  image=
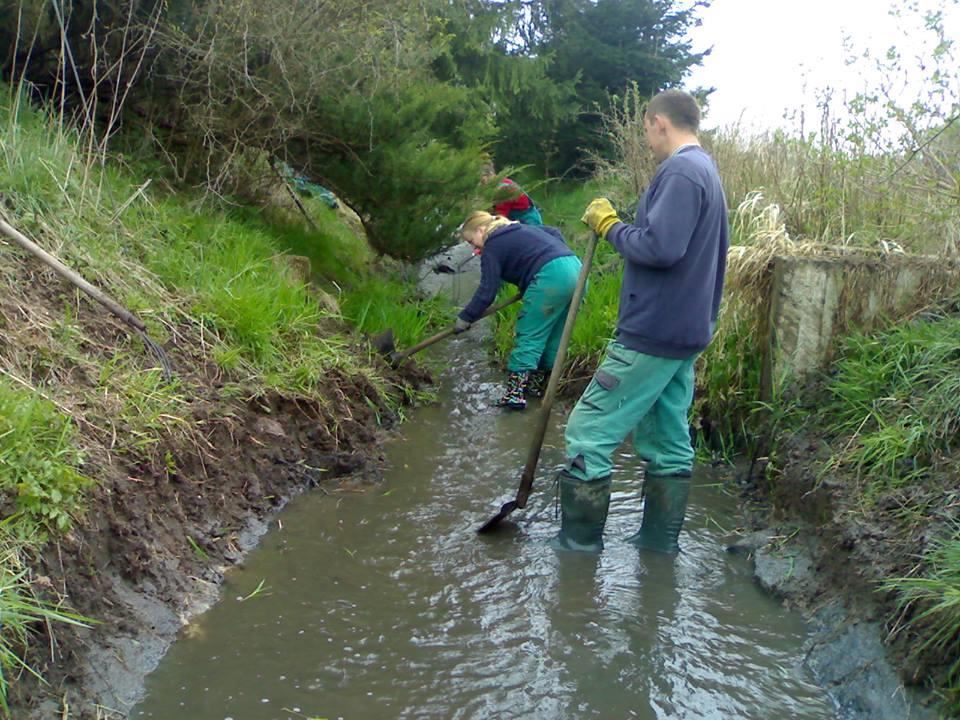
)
(384, 343)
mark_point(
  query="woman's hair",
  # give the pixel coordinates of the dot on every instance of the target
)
(483, 221)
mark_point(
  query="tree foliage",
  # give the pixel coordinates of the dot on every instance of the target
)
(494, 55)
(389, 104)
(614, 45)
(549, 67)
(341, 91)
(909, 114)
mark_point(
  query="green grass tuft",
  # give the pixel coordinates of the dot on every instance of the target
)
(375, 305)
(933, 600)
(21, 612)
(894, 396)
(338, 257)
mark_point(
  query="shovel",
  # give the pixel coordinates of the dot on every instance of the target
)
(533, 456)
(384, 341)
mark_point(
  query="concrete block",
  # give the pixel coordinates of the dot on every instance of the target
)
(815, 300)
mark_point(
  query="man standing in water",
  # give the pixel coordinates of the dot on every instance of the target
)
(674, 262)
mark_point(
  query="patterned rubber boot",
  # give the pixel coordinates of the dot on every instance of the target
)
(584, 508)
(513, 396)
(537, 384)
(664, 505)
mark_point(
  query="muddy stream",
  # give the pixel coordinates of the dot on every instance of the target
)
(386, 604)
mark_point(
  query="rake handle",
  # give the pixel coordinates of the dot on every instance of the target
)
(121, 312)
(400, 357)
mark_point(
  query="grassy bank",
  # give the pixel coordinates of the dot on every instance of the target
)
(887, 426)
(81, 399)
(42, 489)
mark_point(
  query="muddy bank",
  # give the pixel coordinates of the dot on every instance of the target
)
(814, 546)
(845, 654)
(166, 517)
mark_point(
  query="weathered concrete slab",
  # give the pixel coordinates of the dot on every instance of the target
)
(814, 300)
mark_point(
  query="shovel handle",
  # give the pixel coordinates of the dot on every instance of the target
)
(526, 479)
(400, 357)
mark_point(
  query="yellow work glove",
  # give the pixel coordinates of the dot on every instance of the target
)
(600, 216)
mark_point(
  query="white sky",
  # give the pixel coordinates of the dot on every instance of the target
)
(773, 55)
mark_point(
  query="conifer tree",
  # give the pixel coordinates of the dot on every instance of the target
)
(548, 67)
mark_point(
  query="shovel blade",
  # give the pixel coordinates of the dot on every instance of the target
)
(489, 525)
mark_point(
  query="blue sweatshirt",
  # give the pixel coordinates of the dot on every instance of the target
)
(676, 257)
(514, 254)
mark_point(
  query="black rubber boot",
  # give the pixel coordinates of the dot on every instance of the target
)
(537, 383)
(584, 513)
(664, 505)
(513, 396)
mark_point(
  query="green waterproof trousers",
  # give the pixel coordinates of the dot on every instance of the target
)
(540, 322)
(633, 393)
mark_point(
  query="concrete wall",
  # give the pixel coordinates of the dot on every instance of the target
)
(815, 300)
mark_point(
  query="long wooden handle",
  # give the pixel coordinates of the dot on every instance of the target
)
(31, 247)
(400, 357)
(533, 456)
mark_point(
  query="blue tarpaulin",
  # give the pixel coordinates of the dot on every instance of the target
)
(304, 186)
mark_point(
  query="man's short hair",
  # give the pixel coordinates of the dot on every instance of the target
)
(680, 107)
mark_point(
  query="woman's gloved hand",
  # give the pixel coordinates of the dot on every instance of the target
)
(460, 326)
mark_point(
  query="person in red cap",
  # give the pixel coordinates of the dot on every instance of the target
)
(510, 201)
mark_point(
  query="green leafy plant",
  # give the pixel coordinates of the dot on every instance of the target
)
(39, 463)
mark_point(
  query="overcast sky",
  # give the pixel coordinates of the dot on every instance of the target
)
(772, 55)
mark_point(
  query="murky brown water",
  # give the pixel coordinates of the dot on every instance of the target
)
(387, 604)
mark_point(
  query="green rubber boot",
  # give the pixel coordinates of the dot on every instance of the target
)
(664, 505)
(584, 513)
